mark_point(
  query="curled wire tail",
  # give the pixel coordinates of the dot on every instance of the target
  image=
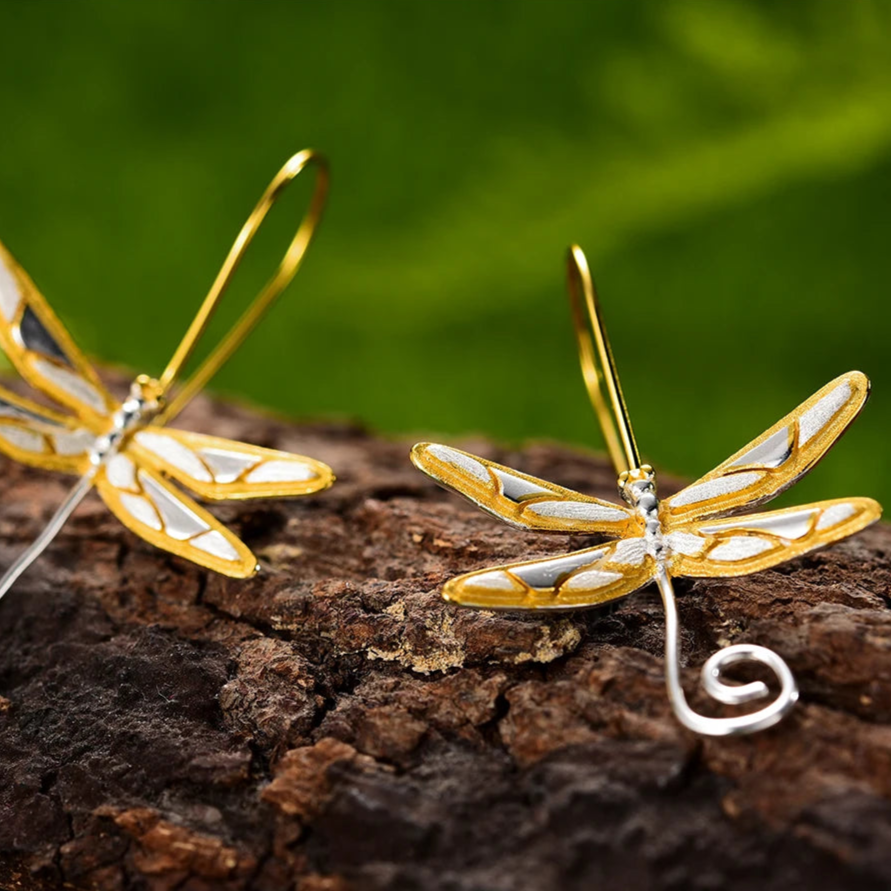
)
(716, 687)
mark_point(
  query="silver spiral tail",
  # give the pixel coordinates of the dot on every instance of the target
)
(716, 687)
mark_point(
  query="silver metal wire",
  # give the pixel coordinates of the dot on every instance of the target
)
(712, 681)
(39, 545)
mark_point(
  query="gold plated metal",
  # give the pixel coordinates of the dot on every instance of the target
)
(689, 534)
(598, 366)
(123, 449)
(280, 280)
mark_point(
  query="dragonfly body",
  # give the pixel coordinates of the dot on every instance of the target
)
(125, 450)
(638, 488)
(134, 413)
(700, 532)
(692, 533)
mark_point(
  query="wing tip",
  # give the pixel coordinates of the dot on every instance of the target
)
(417, 450)
(246, 570)
(858, 379)
(872, 508)
(327, 477)
(419, 455)
(452, 592)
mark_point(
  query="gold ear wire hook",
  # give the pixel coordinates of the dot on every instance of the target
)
(598, 367)
(282, 277)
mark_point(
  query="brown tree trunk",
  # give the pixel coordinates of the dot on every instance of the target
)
(333, 724)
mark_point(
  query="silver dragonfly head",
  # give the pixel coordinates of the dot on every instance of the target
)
(638, 487)
(145, 400)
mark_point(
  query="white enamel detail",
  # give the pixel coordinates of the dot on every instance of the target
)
(141, 510)
(179, 522)
(76, 442)
(461, 461)
(215, 544)
(120, 472)
(685, 543)
(819, 415)
(496, 580)
(773, 452)
(282, 472)
(740, 547)
(629, 552)
(547, 573)
(724, 485)
(22, 438)
(834, 515)
(515, 487)
(578, 510)
(10, 296)
(227, 466)
(789, 526)
(174, 453)
(590, 579)
(71, 383)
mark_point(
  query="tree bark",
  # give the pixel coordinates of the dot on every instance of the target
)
(332, 724)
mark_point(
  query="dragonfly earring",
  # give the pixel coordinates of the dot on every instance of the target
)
(124, 450)
(684, 535)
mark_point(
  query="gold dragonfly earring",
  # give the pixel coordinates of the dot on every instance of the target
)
(124, 450)
(680, 536)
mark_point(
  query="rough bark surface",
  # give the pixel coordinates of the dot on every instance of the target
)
(334, 725)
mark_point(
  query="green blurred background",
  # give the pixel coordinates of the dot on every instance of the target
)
(725, 164)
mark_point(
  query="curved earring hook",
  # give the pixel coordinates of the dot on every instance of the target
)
(730, 694)
(281, 278)
(598, 367)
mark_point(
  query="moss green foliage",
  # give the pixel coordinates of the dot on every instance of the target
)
(725, 164)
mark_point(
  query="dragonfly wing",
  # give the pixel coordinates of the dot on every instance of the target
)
(152, 508)
(721, 548)
(582, 579)
(41, 437)
(778, 458)
(217, 468)
(518, 499)
(42, 350)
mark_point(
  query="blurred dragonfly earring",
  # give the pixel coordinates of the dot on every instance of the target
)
(124, 450)
(659, 540)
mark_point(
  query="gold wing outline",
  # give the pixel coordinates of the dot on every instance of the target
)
(587, 578)
(726, 548)
(41, 437)
(521, 500)
(779, 457)
(43, 352)
(153, 509)
(222, 469)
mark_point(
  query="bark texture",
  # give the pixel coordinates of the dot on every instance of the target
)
(334, 725)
